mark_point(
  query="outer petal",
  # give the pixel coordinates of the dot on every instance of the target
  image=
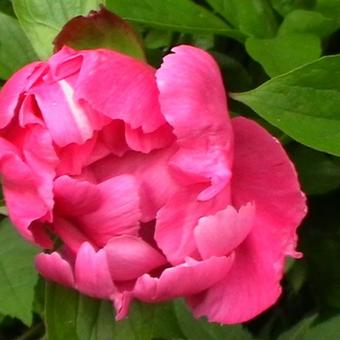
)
(219, 234)
(101, 211)
(263, 174)
(129, 257)
(92, 274)
(55, 268)
(11, 92)
(177, 219)
(193, 102)
(120, 87)
(186, 279)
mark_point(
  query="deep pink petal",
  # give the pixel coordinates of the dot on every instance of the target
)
(192, 99)
(263, 174)
(219, 234)
(137, 140)
(105, 84)
(53, 267)
(29, 112)
(130, 256)
(92, 274)
(186, 279)
(149, 170)
(100, 211)
(11, 92)
(177, 219)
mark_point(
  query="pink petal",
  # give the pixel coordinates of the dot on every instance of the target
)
(263, 174)
(53, 267)
(11, 92)
(177, 219)
(65, 118)
(92, 275)
(29, 112)
(219, 234)
(187, 279)
(155, 183)
(192, 99)
(105, 84)
(146, 142)
(100, 211)
(129, 257)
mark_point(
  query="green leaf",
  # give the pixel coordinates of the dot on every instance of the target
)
(17, 274)
(311, 329)
(302, 21)
(179, 15)
(284, 52)
(15, 49)
(101, 29)
(303, 103)
(202, 330)
(43, 19)
(284, 7)
(70, 315)
(148, 321)
(329, 8)
(254, 18)
(312, 165)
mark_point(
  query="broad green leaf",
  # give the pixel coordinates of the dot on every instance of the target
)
(202, 330)
(312, 329)
(148, 321)
(286, 6)
(70, 315)
(254, 18)
(312, 165)
(17, 274)
(6, 7)
(303, 103)
(15, 48)
(299, 331)
(284, 52)
(302, 21)
(43, 19)
(330, 8)
(179, 15)
(100, 29)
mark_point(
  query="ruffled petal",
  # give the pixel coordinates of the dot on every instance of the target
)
(53, 267)
(220, 234)
(100, 211)
(263, 174)
(177, 219)
(129, 257)
(11, 92)
(192, 99)
(148, 170)
(189, 278)
(92, 274)
(104, 82)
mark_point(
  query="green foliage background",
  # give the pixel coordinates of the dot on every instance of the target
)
(281, 63)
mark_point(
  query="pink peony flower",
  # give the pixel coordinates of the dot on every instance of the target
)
(151, 190)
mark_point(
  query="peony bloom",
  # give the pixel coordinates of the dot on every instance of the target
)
(138, 184)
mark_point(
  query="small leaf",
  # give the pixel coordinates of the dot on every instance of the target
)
(329, 8)
(284, 52)
(303, 103)
(179, 15)
(312, 165)
(299, 331)
(15, 49)
(43, 19)
(101, 29)
(302, 21)
(284, 7)
(70, 315)
(148, 321)
(17, 274)
(254, 18)
(199, 329)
